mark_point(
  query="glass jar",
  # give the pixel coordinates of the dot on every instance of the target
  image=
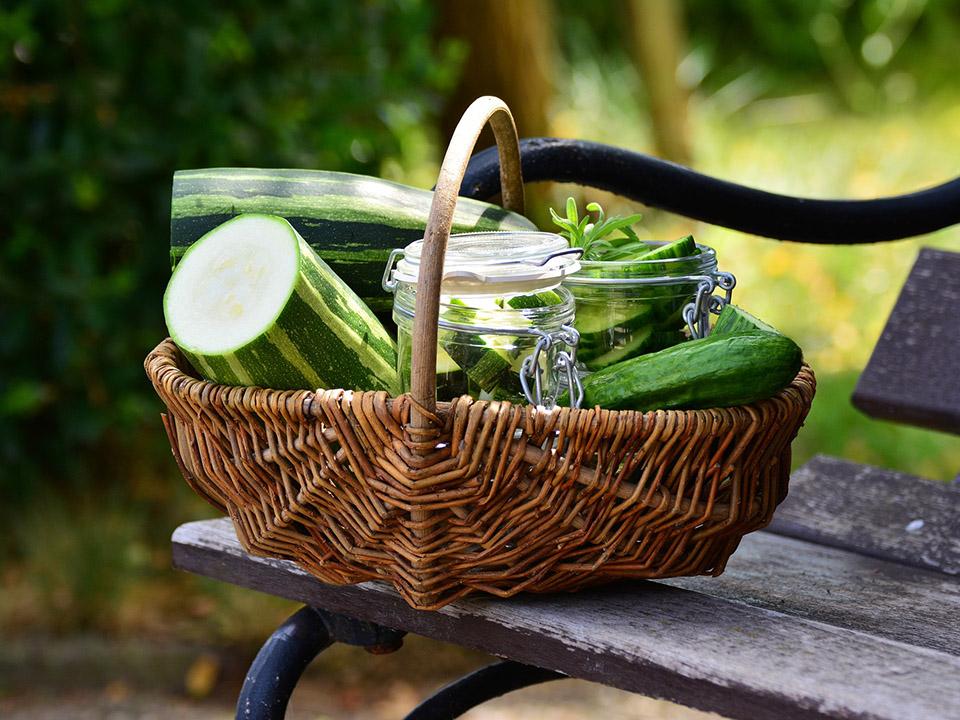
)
(626, 309)
(505, 319)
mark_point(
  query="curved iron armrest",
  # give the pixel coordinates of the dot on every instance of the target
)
(678, 189)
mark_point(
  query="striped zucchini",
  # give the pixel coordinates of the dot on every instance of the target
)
(352, 221)
(251, 304)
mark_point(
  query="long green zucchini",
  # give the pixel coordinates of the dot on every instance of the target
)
(351, 221)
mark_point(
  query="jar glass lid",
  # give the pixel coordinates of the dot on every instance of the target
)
(492, 261)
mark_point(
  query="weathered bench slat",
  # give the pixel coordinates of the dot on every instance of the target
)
(918, 607)
(699, 650)
(912, 375)
(875, 512)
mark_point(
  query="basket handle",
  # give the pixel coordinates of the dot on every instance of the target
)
(423, 373)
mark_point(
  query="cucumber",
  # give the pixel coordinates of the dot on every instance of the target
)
(645, 340)
(717, 371)
(485, 366)
(513, 393)
(684, 247)
(648, 320)
(547, 298)
(474, 364)
(596, 317)
(352, 221)
(612, 333)
(451, 380)
(251, 304)
(734, 319)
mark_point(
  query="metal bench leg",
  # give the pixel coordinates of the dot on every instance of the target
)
(476, 688)
(285, 655)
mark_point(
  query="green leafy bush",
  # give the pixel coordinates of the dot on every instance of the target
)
(99, 103)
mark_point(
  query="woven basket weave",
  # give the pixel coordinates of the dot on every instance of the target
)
(447, 499)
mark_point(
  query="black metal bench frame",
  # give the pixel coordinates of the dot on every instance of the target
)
(281, 661)
(308, 632)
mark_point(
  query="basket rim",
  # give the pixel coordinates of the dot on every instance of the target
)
(167, 359)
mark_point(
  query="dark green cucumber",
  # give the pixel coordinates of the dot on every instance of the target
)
(651, 319)
(684, 247)
(547, 298)
(484, 365)
(733, 319)
(510, 392)
(596, 317)
(645, 340)
(351, 221)
(717, 371)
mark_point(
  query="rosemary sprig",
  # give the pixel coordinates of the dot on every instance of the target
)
(597, 236)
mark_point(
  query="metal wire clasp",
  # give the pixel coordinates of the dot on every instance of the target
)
(387, 282)
(697, 314)
(565, 364)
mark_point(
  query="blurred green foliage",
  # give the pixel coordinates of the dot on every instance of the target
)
(99, 103)
(864, 54)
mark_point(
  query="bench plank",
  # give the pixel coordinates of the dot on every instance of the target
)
(875, 512)
(912, 375)
(917, 607)
(699, 650)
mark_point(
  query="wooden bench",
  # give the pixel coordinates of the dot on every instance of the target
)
(845, 606)
(795, 628)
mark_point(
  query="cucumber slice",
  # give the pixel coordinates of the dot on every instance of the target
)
(645, 341)
(491, 362)
(484, 365)
(601, 317)
(445, 363)
(513, 394)
(546, 298)
(684, 247)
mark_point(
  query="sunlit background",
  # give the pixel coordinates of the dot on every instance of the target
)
(101, 101)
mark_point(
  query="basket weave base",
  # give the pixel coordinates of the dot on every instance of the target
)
(508, 499)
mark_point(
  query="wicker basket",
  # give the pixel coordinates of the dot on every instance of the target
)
(447, 499)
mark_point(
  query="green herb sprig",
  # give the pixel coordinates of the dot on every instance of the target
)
(597, 236)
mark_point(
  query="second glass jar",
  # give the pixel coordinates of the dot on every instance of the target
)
(626, 309)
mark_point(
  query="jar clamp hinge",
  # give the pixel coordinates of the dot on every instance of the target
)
(697, 314)
(564, 366)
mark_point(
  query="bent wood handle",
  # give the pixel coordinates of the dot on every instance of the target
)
(423, 374)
